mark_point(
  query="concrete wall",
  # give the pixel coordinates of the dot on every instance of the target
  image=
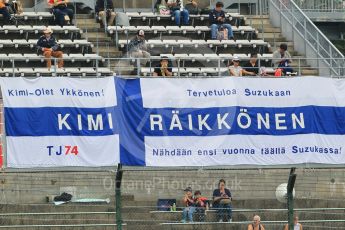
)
(151, 185)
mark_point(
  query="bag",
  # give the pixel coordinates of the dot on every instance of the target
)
(278, 72)
(165, 204)
(225, 201)
(192, 9)
(206, 11)
(163, 10)
(63, 197)
(222, 34)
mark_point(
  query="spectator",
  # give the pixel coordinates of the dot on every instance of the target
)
(176, 10)
(188, 201)
(48, 46)
(297, 226)
(192, 7)
(4, 11)
(137, 47)
(217, 21)
(251, 68)
(222, 202)
(282, 59)
(235, 69)
(63, 15)
(201, 205)
(164, 69)
(105, 11)
(256, 224)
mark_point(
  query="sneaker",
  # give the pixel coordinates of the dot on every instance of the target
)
(230, 220)
(183, 221)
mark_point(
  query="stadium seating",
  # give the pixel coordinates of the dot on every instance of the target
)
(19, 55)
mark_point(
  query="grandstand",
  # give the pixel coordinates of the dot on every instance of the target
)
(111, 197)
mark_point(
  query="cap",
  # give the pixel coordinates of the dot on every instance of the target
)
(141, 33)
(48, 30)
(188, 189)
(235, 58)
(164, 58)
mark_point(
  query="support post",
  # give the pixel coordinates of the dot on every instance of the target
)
(290, 198)
(118, 181)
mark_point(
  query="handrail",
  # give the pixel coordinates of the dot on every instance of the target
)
(310, 36)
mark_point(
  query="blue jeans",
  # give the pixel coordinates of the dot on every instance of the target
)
(178, 14)
(188, 211)
(60, 15)
(5, 14)
(224, 210)
(215, 28)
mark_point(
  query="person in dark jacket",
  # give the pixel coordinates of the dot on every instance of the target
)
(105, 11)
(4, 11)
(48, 46)
(217, 21)
(63, 14)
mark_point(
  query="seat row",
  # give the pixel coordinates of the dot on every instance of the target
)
(172, 29)
(196, 71)
(214, 56)
(42, 72)
(199, 43)
(157, 16)
(35, 57)
(38, 29)
(32, 43)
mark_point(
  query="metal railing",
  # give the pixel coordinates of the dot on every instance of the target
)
(182, 66)
(307, 38)
(321, 5)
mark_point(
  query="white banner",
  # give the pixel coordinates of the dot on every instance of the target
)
(54, 122)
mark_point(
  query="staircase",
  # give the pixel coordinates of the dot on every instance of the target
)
(103, 44)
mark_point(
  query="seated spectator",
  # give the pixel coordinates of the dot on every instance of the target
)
(201, 205)
(235, 69)
(189, 209)
(63, 15)
(222, 202)
(251, 68)
(256, 224)
(217, 21)
(105, 11)
(48, 46)
(282, 59)
(137, 47)
(176, 9)
(164, 69)
(4, 11)
(192, 7)
(297, 226)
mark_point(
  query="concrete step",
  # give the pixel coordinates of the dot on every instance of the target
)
(83, 21)
(270, 36)
(84, 16)
(270, 30)
(257, 17)
(56, 219)
(310, 72)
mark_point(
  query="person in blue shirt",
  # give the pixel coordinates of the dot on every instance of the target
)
(218, 20)
(222, 202)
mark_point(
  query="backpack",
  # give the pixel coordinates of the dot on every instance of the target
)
(222, 34)
(63, 197)
(163, 10)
